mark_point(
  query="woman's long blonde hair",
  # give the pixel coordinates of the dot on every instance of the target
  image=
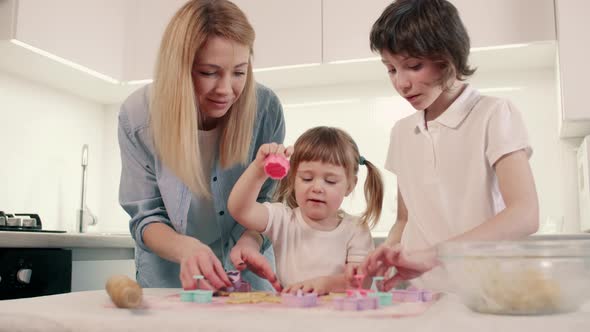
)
(173, 111)
(334, 146)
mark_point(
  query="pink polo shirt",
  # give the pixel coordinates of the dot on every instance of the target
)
(445, 174)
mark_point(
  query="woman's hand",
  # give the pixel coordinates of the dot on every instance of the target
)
(199, 259)
(321, 286)
(244, 256)
(408, 265)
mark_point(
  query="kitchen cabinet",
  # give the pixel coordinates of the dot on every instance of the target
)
(573, 55)
(347, 23)
(87, 33)
(281, 40)
(146, 23)
(120, 38)
(505, 22)
(346, 28)
(287, 32)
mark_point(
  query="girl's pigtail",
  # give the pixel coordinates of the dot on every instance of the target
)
(373, 194)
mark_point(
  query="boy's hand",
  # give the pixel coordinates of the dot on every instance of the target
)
(409, 265)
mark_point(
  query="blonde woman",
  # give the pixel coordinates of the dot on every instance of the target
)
(185, 140)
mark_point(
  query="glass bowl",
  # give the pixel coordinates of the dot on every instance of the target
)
(529, 277)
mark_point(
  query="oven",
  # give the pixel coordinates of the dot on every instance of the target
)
(29, 272)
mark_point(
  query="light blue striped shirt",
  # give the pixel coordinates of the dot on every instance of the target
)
(151, 193)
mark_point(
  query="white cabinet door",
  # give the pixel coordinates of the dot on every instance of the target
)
(280, 39)
(573, 27)
(288, 32)
(346, 28)
(503, 22)
(347, 24)
(147, 20)
(87, 32)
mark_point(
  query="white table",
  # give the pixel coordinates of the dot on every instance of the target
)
(92, 311)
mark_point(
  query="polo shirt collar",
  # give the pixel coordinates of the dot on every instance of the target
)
(456, 112)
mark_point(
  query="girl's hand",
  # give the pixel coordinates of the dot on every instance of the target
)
(272, 148)
(199, 259)
(246, 256)
(350, 270)
(408, 265)
(320, 285)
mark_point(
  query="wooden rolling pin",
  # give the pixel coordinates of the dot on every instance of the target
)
(124, 292)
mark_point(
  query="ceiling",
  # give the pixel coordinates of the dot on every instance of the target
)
(37, 68)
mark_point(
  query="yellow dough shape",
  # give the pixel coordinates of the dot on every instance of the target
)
(252, 297)
(330, 297)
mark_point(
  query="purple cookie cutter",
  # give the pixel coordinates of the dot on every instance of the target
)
(300, 300)
(356, 303)
(238, 285)
(412, 295)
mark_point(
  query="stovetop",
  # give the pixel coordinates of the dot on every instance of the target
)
(25, 229)
(23, 222)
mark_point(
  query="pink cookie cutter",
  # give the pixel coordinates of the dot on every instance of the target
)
(300, 300)
(276, 167)
(357, 299)
(359, 291)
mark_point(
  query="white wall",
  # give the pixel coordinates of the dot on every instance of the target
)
(115, 219)
(42, 133)
(368, 110)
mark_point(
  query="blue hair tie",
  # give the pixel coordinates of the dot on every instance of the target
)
(362, 160)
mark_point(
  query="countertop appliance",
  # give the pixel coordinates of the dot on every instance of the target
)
(23, 222)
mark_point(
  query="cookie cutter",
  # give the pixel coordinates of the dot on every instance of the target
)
(300, 300)
(356, 303)
(238, 284)
(384, 298)
(197, 295)
(412, 295)
(276, 167)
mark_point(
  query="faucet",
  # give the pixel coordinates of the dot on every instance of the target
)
(84, 216)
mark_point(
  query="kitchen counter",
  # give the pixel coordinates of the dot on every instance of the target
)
(65, 240)
(549, 237)
(93, 311)
(123, 240)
